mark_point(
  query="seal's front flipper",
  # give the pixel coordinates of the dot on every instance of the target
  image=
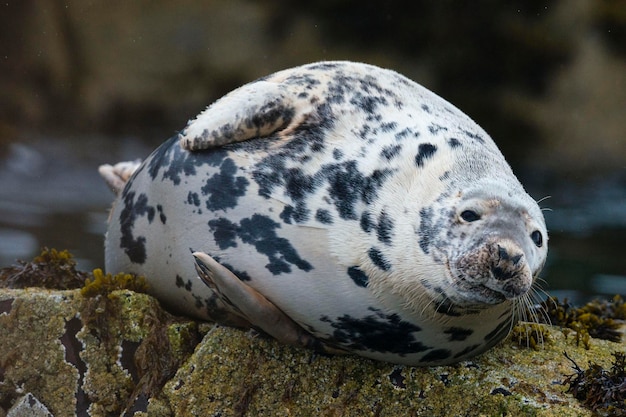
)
(254, 110)
(252, 306)
(116, 176)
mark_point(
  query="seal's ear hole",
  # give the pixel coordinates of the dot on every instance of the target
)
(470, 215)
(537, 238)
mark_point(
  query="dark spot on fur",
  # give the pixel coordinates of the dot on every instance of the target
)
(391, 151)
(323, 216)
(224, 188)
(388, 127)
(424, 152)
(180, 283)
(474, 136)
(373, 183)
(242, 275)
(174, 162)
(403, 133)
(346, 184)
(298, 214)
(436, 355)
(454, 143)
(384, 229)
(162, 216)
(260, 231)
(427, 229)
(193, 199)
(379, 259)
(368, 103)
(367, 224)
(467, 351)
(224, 232)
(435, 128)
(377, 332)
(458, 333)
(358, 276)
(135, 248)
(269, 114)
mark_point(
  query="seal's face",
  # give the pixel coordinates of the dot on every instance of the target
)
(494, 244)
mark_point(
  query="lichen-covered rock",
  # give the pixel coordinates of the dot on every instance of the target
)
(121, 354)
(87, 355)
(232, 373)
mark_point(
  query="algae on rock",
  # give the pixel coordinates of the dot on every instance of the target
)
(122, 353)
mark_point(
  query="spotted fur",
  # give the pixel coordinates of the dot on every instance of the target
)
(338, 191)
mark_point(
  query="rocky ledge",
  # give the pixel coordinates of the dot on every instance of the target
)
(65, 353)
(93, 344)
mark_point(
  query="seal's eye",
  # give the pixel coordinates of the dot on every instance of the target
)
(537, 238)
(470, 216)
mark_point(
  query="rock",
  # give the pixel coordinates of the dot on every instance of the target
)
(29, 406)
(87, 356)
(122, 354)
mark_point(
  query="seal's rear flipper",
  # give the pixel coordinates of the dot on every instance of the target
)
(116, 176)
(252, 306)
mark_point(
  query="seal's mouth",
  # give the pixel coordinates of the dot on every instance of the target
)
(467, 290)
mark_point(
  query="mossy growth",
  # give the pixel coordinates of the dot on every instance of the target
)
(102, 283)
(599, 319)
(51, 269)
(603, 391)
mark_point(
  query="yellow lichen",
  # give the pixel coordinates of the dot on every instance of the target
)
(531, 335)
(105, 283)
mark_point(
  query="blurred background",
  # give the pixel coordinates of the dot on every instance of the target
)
(87, 82)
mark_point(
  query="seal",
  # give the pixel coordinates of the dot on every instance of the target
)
(338, 206)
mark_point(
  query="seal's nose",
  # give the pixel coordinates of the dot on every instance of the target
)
(509, 269)
(507, 263)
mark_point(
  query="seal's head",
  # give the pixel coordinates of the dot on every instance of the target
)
(492, 240)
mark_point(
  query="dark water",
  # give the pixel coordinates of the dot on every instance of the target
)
(51, 195)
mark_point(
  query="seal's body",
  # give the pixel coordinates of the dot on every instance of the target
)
(336, 205)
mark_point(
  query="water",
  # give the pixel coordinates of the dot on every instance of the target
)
(52, 195)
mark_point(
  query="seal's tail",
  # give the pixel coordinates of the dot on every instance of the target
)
(116, 176)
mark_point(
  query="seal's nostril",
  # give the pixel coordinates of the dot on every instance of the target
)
(502, 274)
(505, 256)
(502, 253)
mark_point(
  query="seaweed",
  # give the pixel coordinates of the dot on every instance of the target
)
(600, 319)
(51, 269)
(530, 335)
(102, 283)
(603, 391)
